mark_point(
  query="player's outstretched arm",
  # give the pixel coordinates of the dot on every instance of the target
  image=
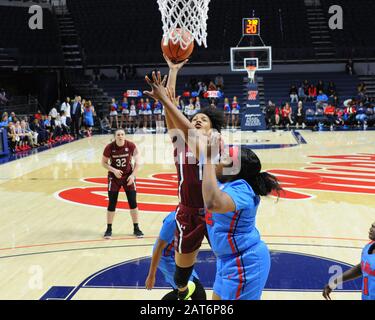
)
(156, 256)
(348, 275)
(163, 94)
(174, 68)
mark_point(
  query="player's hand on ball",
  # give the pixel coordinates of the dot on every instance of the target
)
(157, 85)
(326, 292)
(175, 66)
(150, 282)
(117, 173)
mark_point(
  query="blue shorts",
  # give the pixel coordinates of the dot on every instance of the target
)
(243, 277)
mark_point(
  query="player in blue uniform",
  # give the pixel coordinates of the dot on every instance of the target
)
(231, 191)
(366, 270)
(163, 258)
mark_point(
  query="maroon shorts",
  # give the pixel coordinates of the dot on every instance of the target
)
(115, 184)
(190, 230)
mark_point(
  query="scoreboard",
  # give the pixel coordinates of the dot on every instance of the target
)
(251, 27)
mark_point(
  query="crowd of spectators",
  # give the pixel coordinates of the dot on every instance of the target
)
(65, 122)
(323, 108)
(134, 114)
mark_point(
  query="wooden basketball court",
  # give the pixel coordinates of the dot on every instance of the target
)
(53, 216)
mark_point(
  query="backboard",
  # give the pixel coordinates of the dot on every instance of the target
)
(239, 56)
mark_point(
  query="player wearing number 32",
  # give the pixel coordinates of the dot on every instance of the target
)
(117, 159)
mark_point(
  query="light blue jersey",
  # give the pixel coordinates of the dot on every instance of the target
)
(235, 232)
(243, 260)
(368, 272)
(167, 263)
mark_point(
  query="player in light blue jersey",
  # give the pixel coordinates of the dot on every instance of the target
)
(231, 192)
(366, 270)
(163, 259)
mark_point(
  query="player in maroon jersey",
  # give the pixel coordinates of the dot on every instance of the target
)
(117, 159)
(190, 212)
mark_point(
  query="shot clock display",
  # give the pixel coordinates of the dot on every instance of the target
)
(250, 26)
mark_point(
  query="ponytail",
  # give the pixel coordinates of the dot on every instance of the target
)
(264, 183)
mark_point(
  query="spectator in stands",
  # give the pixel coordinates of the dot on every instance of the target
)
(320, 86)
(270, 114)
(38, 115)
(132, 116)
(350, 113)
(331, 89)
(4, 120)
(334, 100)
(88, 117)
(339, 120)
(197, 105)
(193, 84)
(13, 118)
(362, 89)
(25, 137)
(13, 138)
(76, 115)
(42, 133)
(329, 112)
(370, 113)
(190, 109)
(113, 113)
(212, 86)
(202, 88)
(300, 116)
(301, 93)
(286, 115)
(349, 67)
(235, 113)
(219, 82)
(306, 85)
(312, 93)
(53, 113)
(147, 114)
(3, 97)
(361, 116)
(65, 107)
(322, 99)
(227, 112)
(293, 93)
(124, 114)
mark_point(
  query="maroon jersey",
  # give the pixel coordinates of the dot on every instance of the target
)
(120, 157)
(190, 176)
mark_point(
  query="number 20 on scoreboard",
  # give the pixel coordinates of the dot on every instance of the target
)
(250, 26)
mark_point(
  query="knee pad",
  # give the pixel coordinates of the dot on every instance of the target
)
(182, 276)
(112, 201)
(132, 199)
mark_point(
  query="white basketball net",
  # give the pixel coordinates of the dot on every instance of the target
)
(190, 15)
(251, 73)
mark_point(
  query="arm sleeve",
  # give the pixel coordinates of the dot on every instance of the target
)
(241, 193)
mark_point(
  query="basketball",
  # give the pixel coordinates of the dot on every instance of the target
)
(174, 51)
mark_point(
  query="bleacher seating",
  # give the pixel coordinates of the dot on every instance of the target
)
(33, 47)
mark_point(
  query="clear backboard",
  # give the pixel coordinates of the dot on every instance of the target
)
(240, 55)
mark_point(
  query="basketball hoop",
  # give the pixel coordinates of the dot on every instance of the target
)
(190, 15)
(251, 73)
